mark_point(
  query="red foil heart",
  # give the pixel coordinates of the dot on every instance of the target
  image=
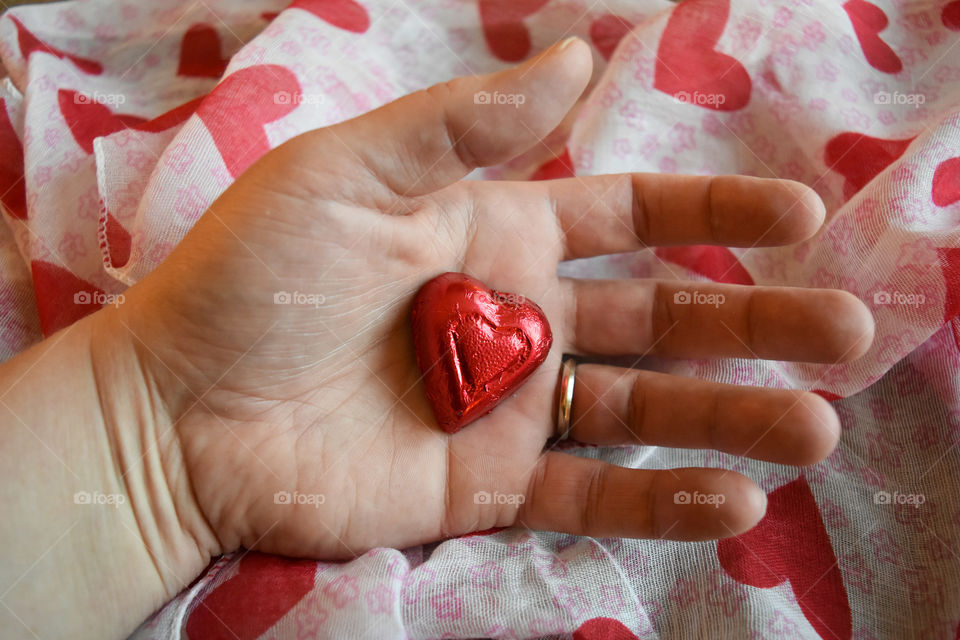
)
(474, 346)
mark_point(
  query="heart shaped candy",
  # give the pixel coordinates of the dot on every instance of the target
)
(474, 346)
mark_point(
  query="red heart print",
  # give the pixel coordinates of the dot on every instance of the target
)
(717, 263)
(62, 297)
(946, 182)
(171, 118)
(345, 14)
(245, 606)
(484, 532)
(860, 158)
(30, 43)
(559, 167)
(955, 325)
(607, 31)
(88, 119)
(829, 396)
(13, 192)
(950, 267)
(244, 101)
(688, 65)
(200, 55)
(791, 543)
(474, 346)
(951, 20)
(503, 28)
(868, 21)
(603, 629)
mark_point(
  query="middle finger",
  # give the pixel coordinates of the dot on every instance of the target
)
(702, 319)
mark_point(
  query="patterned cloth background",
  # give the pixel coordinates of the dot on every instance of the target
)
(122, 121)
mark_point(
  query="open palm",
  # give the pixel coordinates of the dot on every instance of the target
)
(277, 334)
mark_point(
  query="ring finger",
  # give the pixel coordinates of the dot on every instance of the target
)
(613, 405)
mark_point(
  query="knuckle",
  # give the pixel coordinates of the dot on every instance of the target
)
(714, 221)
(637, 405)
(662, 318)
(592, 511)
(440, 98)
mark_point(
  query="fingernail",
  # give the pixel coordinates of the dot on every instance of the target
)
(566, 43)
(761, 497)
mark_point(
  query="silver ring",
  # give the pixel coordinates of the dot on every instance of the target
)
(568, 377)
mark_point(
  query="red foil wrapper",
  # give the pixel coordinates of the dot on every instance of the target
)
(474, 346)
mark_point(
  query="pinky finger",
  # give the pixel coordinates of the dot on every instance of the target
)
(588, 497)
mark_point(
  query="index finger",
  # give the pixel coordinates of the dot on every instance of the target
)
(617, 213)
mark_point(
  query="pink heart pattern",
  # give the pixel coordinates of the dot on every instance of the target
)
(792, 544)
(868, 21)
(200, 54)
(251, 96)
(13, 192)
(860, 158)
(264, 589)
(504, 29)
(688, 65)
(344, 14)
(946, 183)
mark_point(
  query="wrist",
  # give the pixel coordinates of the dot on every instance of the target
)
(144, 443)
(99, 533)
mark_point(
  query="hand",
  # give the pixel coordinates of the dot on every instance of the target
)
(325, 399)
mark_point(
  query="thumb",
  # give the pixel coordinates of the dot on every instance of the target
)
(427, 140)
